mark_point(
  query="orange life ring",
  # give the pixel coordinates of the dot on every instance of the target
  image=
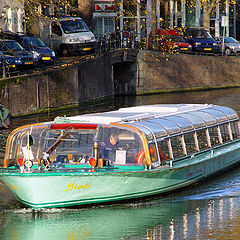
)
(141, 156)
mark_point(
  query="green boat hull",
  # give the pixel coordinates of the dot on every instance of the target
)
(55, 189)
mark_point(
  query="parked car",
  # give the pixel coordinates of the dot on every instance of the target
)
(169, 40)
(13, 48)
(9, 62)
(33, 44)
(201, 40)
(229, 45)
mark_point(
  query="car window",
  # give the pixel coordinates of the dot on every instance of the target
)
(11, 45)
(76, 25)
(25, 42)
(175, 38)
(230, 40)
(200, 34)
(56, 29)
(34, 41)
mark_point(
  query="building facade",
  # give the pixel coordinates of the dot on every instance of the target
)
(104, 17)
(109, 15)
(136, 17)
(12, 16)
(187, 15)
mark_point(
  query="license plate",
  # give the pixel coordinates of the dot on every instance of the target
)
(46, 58)
(184, 49)
(12, 66)
(207, 49)
(28, 63)
(86, 49)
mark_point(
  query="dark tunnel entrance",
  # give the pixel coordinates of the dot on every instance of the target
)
(124, 76)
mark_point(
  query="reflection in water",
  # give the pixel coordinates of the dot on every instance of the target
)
(185, 226)
(208, 211)
(156, 220)
(189, 214)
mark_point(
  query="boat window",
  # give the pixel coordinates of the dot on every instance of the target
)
(153, 152)
(163, 150)
(69, 145)
(120, 146)
(235, 129)
(19, 147)
(213, 134)
(190, 143)
(225, 133)
(15, 142)
(177, 147)
(36, 141)
(202, 139)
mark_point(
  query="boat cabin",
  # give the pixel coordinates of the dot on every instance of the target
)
(151, 136)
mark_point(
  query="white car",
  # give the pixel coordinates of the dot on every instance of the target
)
(229, 45)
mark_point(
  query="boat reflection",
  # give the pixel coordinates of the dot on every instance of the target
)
(155, 219)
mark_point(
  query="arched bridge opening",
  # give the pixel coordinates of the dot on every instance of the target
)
(125, 71)
(124, 78)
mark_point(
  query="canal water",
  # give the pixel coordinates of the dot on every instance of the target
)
(209, 210)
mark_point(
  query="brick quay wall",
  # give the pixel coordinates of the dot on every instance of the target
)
(186, 72)
(58, 87)
(120, 72)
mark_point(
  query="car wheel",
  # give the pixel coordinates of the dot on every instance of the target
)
(227, 51)
(65, 52)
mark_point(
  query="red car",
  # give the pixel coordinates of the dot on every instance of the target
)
(169, 40)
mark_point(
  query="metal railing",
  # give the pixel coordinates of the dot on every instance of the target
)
(123, 39)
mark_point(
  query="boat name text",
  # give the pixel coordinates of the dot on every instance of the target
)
(74, 186)
(13, 187)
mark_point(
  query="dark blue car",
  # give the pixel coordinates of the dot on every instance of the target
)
(9, 62)
(14, 49)
(201, 40)
(40, 51)
(31, 43)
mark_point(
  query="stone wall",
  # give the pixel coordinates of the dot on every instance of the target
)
(158, 72)
(55, 88)
(144, 73)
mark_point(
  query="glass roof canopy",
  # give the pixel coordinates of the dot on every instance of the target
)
(183, 120)
(164, 120)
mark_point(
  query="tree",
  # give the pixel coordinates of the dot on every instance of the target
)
(35, 9)
(209, 7)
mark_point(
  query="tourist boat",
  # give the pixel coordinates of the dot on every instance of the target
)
(4, 117)
(160, 148)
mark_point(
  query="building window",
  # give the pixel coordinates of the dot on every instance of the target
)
(179, 6)
(179, 22)
(103, 25)
(9, 19)
(143, 7)
(15, 20)
(129, 8)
